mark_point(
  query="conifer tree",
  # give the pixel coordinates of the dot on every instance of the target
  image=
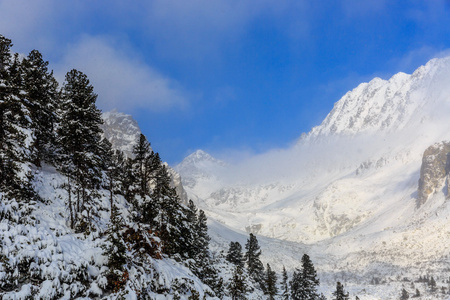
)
(270, 283)
(296, 285)
(171, 217)
(340, 293)
(115, 250)
(432, 284)
(41, 92)
(80, 149)
(404, 295)
(112, 167)
(237, 287)
(14, 154)
(309, 274)
(203, 261)
(284, 285)
(255, 267)
(127, 179)
(143, 165)
(202, 233)
(304, 282)
(235, 255)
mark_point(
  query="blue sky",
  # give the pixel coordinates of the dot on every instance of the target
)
(234, 78)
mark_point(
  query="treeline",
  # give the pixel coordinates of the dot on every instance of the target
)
(303, 285)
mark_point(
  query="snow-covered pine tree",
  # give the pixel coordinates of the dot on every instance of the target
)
(111, 169)
(270, 283)
(144, 165)
(235, 255)
(15, 175)
(255, 267)
(304, 282)
(432, 284)
(202, 242)
(127, 178)
(192, 219)
(296, 286)
(237, 287)
(80, 149)
(310, 280)
(203, 261)
(284, 285)
(115, 250)
(171, 219)
(41, 92)
(340, 293)
(404, 295)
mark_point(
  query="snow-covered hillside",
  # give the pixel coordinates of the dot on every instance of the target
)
(346, 193)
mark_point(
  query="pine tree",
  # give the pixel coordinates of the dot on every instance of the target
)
(284, 285)
(170, 221)
(112, 167)
(309, 275)
(432, 284)
(404, 295)
(201, 243)
(203, 261)
(14, 155)
(296, 285)
(41, 92)
(340, 294)
(304, 282)
(80, 150)
(235, 255)
(127, 181)
(237, 286)
(255, 267)
(143, 165)
(270, 283)
(115, 250)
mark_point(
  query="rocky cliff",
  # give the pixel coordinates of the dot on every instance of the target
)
(434, 170)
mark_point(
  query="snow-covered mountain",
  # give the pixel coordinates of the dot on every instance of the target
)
(347, 192)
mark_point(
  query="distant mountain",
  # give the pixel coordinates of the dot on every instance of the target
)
(121, 130)
(386, 105)
(348, 192)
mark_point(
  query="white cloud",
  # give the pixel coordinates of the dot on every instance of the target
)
(121, 79)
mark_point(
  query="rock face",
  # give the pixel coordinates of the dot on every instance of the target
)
(121, 130)
(434, 170)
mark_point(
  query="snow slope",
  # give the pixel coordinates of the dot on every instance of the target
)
(346, 193)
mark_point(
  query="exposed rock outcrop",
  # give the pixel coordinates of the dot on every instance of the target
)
(121, 130)
(434, 171)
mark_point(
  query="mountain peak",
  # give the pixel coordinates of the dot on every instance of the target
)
(199, 157)
(384, 105)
